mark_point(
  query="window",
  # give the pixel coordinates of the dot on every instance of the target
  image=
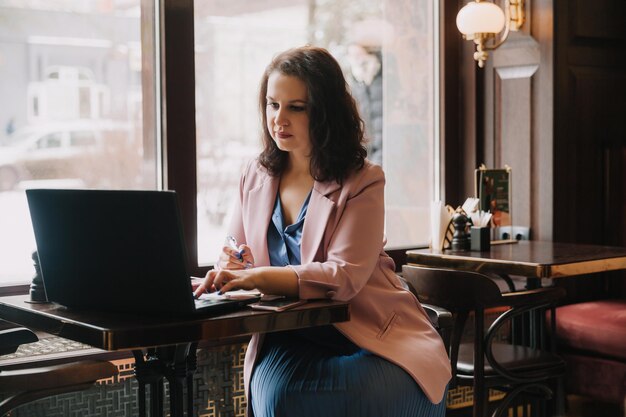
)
(71, 111)
(388, 57)
(81, 76)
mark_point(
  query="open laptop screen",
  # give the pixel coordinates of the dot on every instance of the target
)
(120, 251)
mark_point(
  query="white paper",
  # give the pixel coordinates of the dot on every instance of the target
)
(439, 220)
(230, 295)
(471, 205)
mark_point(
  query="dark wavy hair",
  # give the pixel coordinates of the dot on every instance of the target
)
(335, 127)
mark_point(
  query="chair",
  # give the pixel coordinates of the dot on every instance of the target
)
(523, 364)
(25, 385)
(440, 318)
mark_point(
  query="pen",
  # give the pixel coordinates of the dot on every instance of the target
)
(233, 244)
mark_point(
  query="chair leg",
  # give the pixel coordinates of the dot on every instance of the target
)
(480, 392)
(559, 398)
(538, 394)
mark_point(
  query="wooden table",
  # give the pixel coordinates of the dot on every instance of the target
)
(533, 259)
(164, 347)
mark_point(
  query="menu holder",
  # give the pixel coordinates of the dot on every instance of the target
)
(493, 190)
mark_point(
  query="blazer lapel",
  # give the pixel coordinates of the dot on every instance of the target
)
(258, 214)
(317, 215)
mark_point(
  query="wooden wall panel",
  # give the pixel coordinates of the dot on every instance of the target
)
(542, 102)
(509, 118)
(590, 133)
(508, 108)
(601, 20)
(590, 98)
(596, 97)
(513, 134)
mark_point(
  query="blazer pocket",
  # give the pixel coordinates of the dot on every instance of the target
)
(388, 325)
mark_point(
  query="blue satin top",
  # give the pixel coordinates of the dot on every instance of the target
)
(283, 242)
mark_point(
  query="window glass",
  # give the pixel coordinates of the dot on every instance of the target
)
(70, 109)
(385, 48)
(83, 138)
(52, 140)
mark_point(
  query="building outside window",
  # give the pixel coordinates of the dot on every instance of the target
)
(70, 109)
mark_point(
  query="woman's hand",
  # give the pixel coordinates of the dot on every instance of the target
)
(226, 280)
(233, 259)
(268, 280)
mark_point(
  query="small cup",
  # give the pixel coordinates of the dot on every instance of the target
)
(480, 238)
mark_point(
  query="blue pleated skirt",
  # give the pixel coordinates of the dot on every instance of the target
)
(294, 377)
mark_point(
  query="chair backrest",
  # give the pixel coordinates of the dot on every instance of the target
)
(11, 339)
(440, 318)
(465, 293)
(453, 290)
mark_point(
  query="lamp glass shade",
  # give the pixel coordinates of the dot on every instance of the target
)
(480, 17)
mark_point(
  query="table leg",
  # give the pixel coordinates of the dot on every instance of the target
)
(149, 370)
(192, 365)
(177, 364)
(156, 398)
(141, 398)
(176, 374)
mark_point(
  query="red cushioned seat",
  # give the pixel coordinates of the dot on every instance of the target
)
(598, 327)
(592, 340)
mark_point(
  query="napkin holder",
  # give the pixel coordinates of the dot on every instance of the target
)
(480, 238)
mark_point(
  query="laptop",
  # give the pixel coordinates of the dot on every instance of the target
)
(116, 251)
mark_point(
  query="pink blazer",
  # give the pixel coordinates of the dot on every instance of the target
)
(343, 259)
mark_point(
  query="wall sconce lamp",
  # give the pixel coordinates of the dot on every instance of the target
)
(480, 21)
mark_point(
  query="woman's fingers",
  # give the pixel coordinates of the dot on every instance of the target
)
(222, 278)
(235, 280)
(207, 284)
(243, 283)
(226, 280)
(236, 259)
(247, 259)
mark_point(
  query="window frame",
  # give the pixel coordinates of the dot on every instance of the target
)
(179, 118)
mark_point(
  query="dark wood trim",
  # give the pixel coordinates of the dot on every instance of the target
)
(542, 103)
(17, 289)
(452, 132)
(179, 130)
(462, 109)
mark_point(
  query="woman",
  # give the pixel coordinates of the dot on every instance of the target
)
(311, 212)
